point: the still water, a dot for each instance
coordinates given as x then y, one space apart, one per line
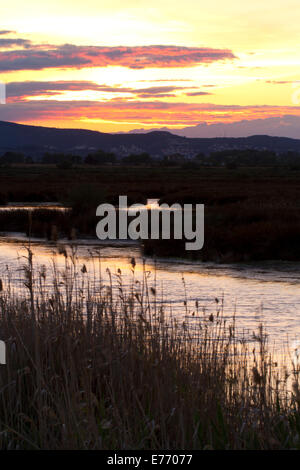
49 206
256 293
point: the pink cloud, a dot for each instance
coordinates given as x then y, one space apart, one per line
38 57
156 113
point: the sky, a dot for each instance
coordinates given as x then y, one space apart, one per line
122 65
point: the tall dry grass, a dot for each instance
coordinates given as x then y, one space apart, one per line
96 365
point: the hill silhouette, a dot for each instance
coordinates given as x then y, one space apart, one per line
36 140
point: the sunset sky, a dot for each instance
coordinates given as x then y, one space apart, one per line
121 65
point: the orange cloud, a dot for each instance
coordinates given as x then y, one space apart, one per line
41 56
156 113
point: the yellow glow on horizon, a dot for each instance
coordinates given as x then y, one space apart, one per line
263 36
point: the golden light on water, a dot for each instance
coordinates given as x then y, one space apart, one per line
254 294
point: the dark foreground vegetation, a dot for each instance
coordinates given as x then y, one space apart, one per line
250 213
89 367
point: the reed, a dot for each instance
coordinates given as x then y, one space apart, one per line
95 364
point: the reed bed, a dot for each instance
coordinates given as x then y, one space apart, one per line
99 365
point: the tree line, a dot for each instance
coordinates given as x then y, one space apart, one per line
231 159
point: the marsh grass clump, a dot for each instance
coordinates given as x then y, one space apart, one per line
92 364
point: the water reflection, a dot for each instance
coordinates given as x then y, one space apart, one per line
17 206
255 293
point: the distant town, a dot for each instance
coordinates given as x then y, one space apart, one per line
68 147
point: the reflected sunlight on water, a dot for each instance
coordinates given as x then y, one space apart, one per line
17 206
255 293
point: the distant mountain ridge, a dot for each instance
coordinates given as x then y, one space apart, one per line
36 140
280 126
